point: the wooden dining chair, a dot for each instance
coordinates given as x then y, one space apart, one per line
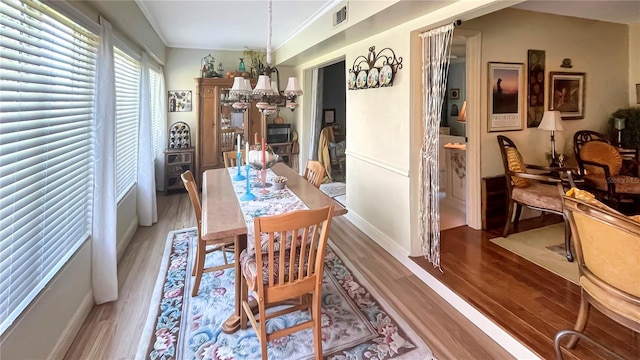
231 158
227 140
314 172
203 247
278 277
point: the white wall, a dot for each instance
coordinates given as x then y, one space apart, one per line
634 62
596 48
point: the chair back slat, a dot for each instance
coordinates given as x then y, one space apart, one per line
227 139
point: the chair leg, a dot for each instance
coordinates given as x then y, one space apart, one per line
509 216
567 240
317 324
200 254
581 322
244 296
263 330
516 219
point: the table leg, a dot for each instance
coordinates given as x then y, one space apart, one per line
233 322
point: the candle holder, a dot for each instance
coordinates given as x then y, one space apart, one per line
248 195
263 176
239 176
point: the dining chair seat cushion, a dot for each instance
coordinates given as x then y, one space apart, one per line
249 267
601 153
623 184
517 165
539 195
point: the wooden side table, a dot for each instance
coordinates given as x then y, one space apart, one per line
177 161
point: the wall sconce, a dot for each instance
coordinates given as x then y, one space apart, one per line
463 113
618 124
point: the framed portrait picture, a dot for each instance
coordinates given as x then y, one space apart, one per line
567 94
329 116
179 100
454 94
506 96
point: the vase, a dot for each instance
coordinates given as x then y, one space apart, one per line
241 67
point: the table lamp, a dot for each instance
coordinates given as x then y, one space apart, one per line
552 121
618 123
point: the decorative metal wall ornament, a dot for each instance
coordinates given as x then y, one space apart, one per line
374 70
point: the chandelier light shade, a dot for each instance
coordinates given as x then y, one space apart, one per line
263 86
293 87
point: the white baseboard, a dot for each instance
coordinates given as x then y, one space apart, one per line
126 239
509 343
73 327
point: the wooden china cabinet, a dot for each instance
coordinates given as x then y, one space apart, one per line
212 110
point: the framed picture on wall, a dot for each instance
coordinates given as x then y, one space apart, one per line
567 94
506 96
329 116
454 94
179 100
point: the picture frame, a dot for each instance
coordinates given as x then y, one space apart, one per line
506 96
566 94
329 116
179 100
454 94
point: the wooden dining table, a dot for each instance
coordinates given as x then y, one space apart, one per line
222 217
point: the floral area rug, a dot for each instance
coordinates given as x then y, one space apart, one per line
356 322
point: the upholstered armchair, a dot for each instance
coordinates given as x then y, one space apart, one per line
607 246
542 191
600 165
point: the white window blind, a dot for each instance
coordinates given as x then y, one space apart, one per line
46 118
127 71
156 110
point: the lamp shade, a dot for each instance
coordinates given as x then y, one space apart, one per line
238 83
263 87
618 123
463 113
552 120
247 85
293 87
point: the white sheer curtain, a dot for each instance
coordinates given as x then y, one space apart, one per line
105 270
161 131
146 184
436 48
317 84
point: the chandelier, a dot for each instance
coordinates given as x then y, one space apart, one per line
267 87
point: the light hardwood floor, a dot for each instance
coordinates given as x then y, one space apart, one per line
112 331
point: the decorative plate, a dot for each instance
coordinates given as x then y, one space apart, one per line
352 80
386 75
361 80
372 79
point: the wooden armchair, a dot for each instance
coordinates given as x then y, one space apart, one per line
276 276
542 191
227 140
607 247
600 165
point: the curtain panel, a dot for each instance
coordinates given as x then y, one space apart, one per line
105 271
436 48
146 185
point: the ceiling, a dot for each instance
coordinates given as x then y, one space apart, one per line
234 25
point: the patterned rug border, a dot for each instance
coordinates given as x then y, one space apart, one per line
422 351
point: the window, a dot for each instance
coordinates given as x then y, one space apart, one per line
46 118
127 121
156 108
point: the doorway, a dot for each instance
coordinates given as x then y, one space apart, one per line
453 141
